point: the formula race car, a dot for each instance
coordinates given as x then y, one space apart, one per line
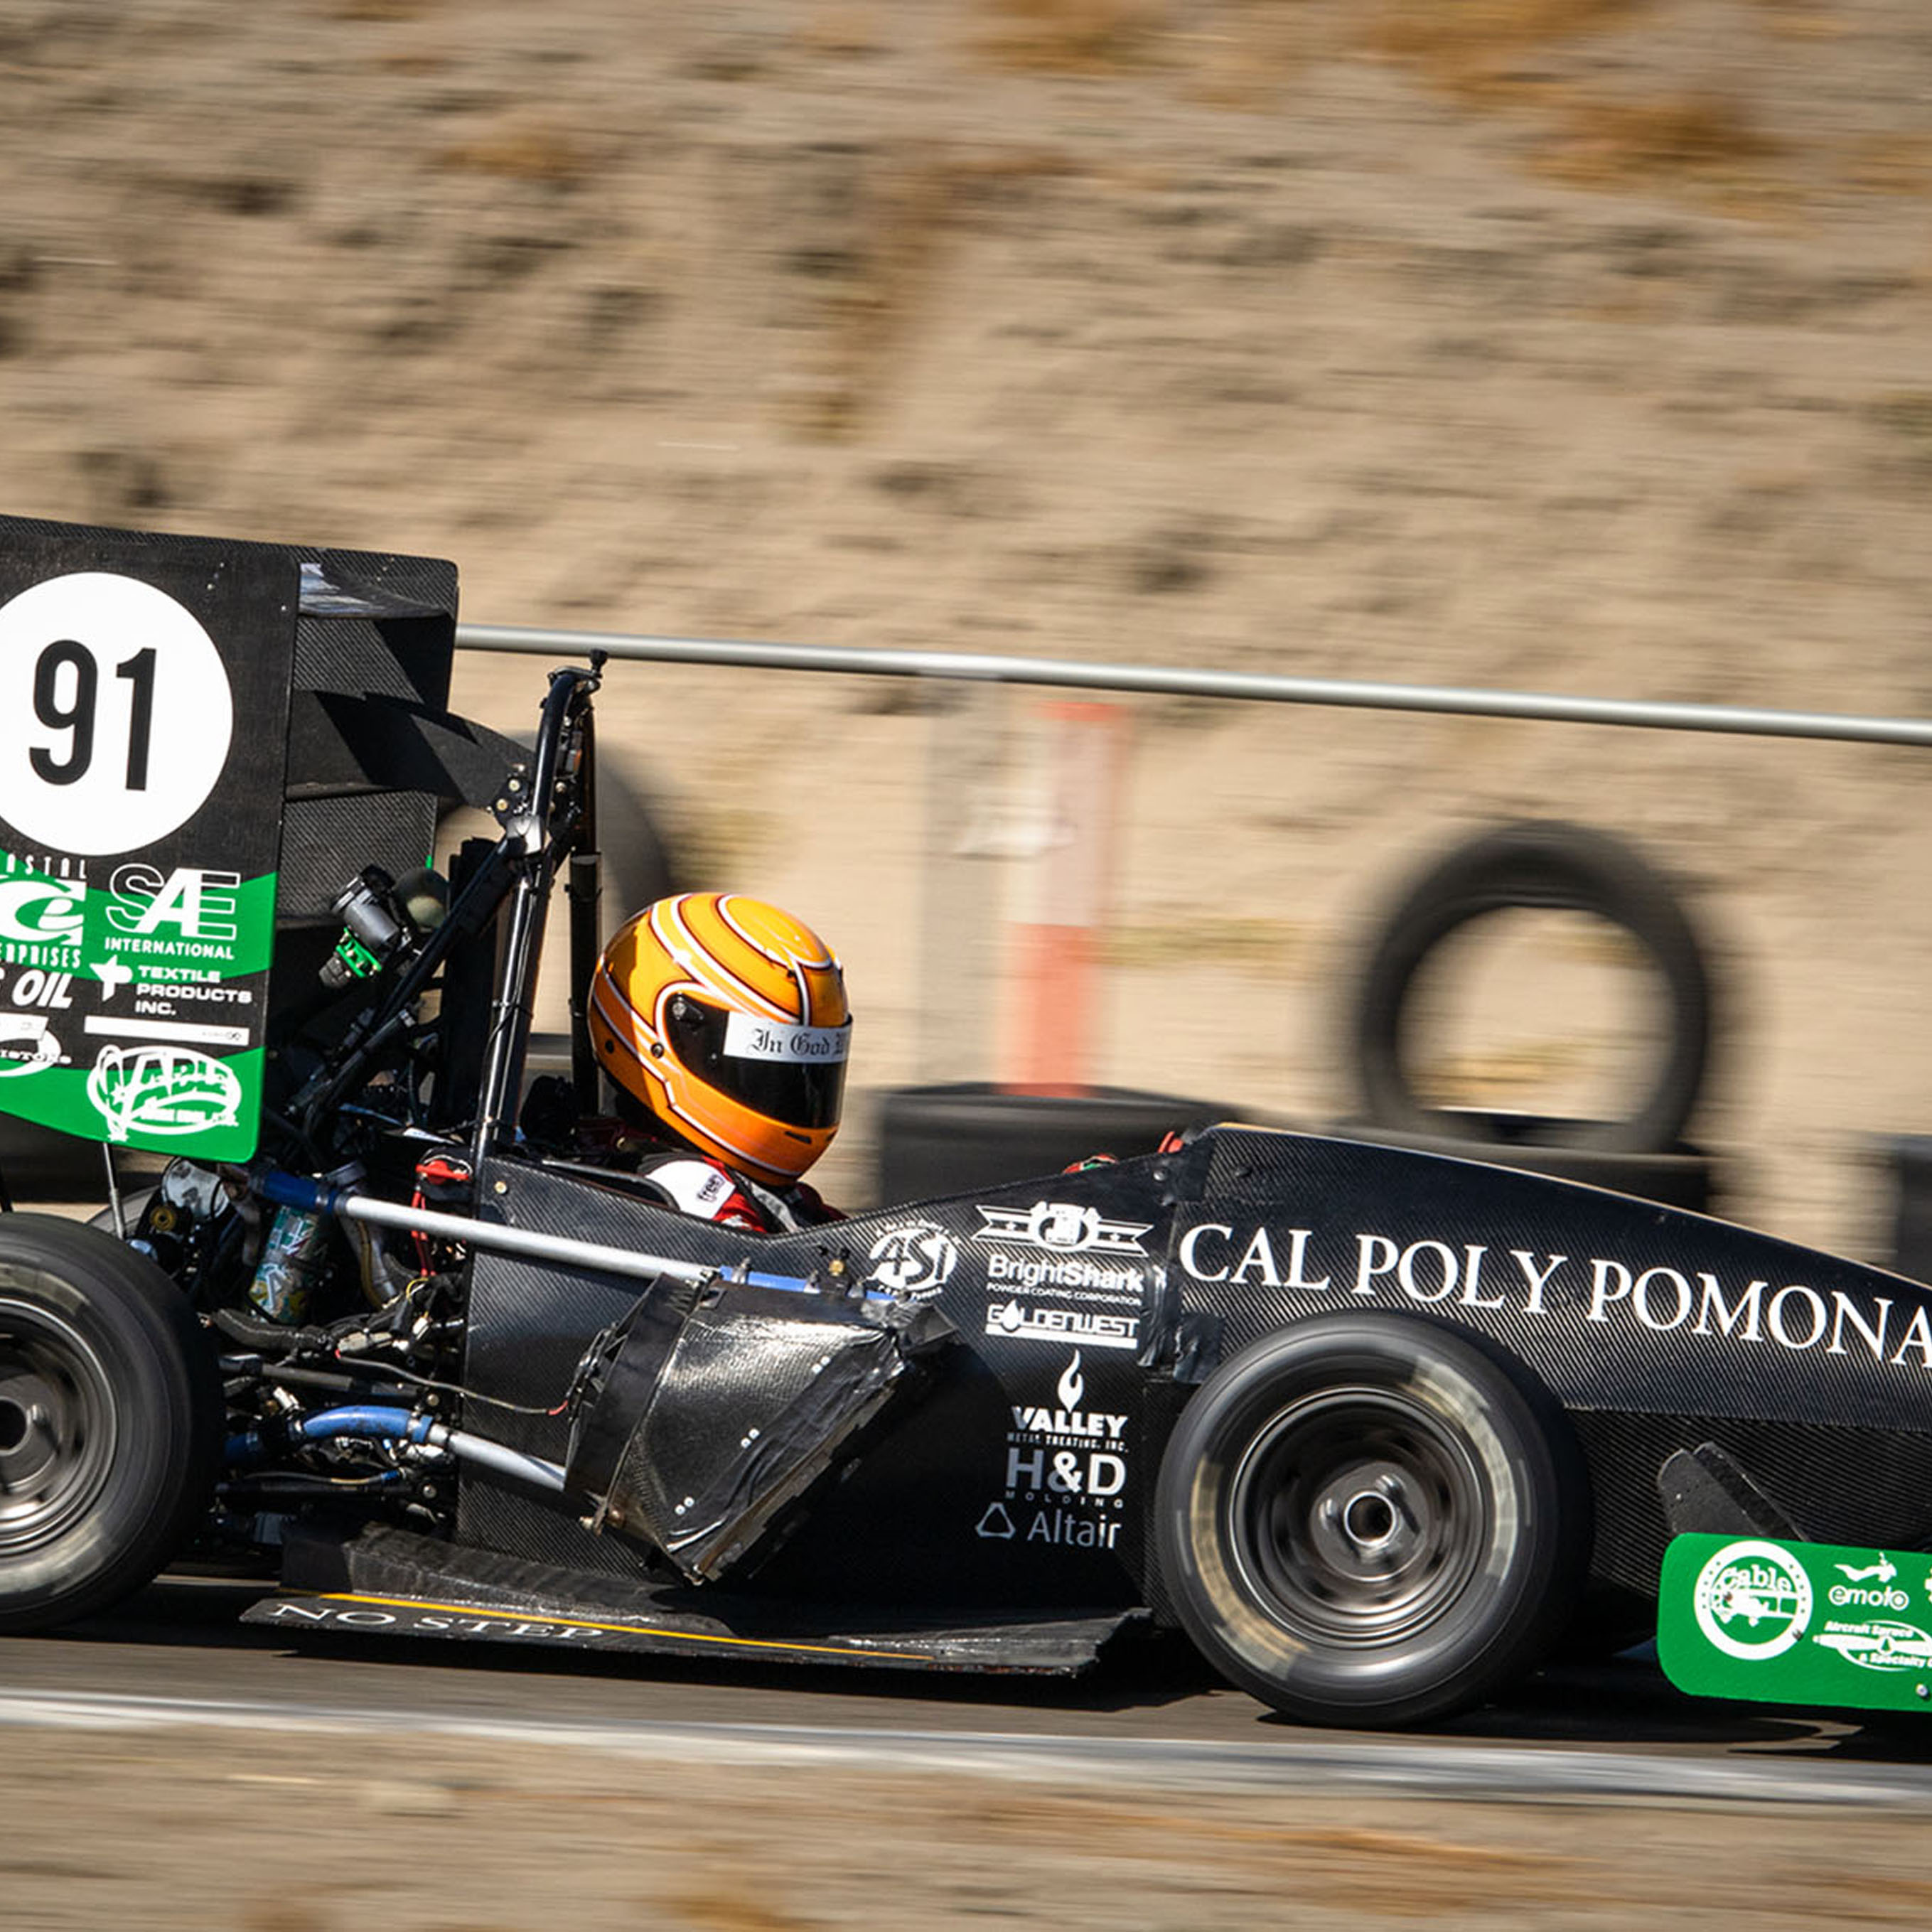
1376 1428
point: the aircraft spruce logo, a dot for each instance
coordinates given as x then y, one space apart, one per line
1753 1600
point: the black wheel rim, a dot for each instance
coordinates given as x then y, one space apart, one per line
1357 1517
57 1421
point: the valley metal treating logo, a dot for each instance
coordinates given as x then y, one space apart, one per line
1072 1384
1753 1600
1066 1456
162 1090
914 1262
1067 1426
1061 1228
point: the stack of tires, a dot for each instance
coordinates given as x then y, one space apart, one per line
1551 866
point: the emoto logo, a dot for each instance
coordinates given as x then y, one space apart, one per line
1753 1600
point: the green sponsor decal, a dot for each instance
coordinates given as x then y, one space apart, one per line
1797 1623
136 922
159 1095
186 919
131 1002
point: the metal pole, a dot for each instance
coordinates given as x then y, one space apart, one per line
290 1190
980 667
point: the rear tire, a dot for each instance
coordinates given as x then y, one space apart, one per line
110 1414
1372 1520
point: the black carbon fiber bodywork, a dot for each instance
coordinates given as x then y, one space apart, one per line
387 1580
1616 1304
1657 1330
1087 1303
927 1515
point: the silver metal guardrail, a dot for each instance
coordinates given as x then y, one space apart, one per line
986 668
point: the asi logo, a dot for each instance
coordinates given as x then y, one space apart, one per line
916 1261
162 1090
1753 1600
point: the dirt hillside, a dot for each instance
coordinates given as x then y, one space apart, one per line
1575 345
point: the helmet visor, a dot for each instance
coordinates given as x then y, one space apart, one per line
795 1075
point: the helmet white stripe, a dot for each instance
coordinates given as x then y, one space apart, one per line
709 973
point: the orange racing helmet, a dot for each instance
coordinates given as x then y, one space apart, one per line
726 1020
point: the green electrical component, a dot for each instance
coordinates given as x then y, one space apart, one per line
358 961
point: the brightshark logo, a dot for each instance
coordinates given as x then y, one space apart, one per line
162 1090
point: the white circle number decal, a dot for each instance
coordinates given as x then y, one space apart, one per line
115 714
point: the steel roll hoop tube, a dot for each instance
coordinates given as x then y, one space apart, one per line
471 911
288 1190
521 863
582 888
566 710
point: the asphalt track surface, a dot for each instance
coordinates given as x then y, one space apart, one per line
176 1656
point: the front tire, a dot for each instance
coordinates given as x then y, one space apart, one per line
1372 1520
110 1412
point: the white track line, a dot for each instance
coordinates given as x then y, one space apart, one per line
1285 1761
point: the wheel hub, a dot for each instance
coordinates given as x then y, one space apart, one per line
1373 1521
56 1427
1356 1517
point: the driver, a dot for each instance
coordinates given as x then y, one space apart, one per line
723 1025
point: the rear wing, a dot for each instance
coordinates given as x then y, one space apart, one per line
201 740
